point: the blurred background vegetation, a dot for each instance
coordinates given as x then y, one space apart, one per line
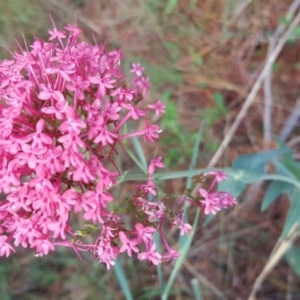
202 58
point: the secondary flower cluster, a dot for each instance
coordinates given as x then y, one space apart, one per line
64 106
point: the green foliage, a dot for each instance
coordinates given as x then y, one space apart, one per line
38 275
286 21
196 289
178 141
173 49
296 33
122 280
161 76
183 250
197 59
251 168
170 6
183 238
7 268
193 4
254 164
146 293
19 17
211 116
293 258
297 66
276 66
293 215
274 190
202 85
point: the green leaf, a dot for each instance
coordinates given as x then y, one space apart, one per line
296 33
179 174
295 182
286 21
208 219
275 189
196 58
291 165
297 66
288 160
275 66
139 151
162 75
292 256
183 238
137 162
293 215
219 100
195 155
147 293
196 289
170 7
282 169
202 85
170 117
193 4
165 175
234 183
122 280
255 163
183 251
158 267
238 175
122 177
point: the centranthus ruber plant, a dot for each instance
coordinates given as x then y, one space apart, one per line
64 106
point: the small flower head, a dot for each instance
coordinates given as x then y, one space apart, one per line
137 69
150 255
127 244
158 107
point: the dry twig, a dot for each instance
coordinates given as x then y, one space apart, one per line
291 122
254 91
279 250
204 281
267 119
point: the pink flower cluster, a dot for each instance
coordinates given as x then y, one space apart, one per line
215 201
64 106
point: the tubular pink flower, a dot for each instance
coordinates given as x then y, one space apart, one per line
210 202
59 109
48 93
185 228
151 255
155 163
137 69
5 248
127 244
172 254
143 84
144 233
103 83
72 123
215 201
54 34
105 137
151 132
158 107
42 247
